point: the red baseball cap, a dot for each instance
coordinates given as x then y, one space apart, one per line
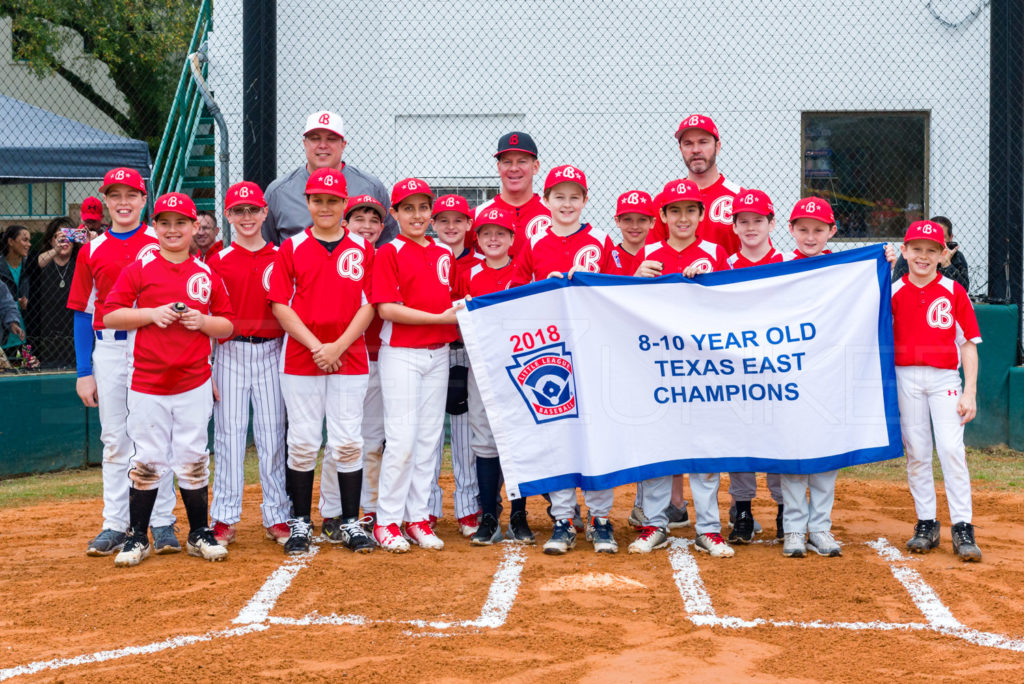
567 173
176 203
245 192
680 190
327 182
634 202
813 208
363 201
452 203
91 209
700 121
123 176
495 216
926 230
409 187
754 201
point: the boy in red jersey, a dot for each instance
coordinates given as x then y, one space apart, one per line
246 373
453 223
102 374
172 304
682 252
318 292
634 217
934 329
412 291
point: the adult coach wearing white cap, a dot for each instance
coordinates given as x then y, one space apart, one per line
324 141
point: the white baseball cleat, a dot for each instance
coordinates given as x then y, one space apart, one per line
713 544
390 538
423 535
203 543
649 539
135 550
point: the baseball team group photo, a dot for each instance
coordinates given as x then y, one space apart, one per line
567 410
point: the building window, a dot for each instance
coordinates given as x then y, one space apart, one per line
871 166
475 190
32 200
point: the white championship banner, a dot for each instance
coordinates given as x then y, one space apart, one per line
602 380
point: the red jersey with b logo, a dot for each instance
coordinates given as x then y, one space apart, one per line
625 263
530 219
174 359
706 256
325 289
246 276
773 256
420 277
930 323
716 225
588 249
98 266
482 279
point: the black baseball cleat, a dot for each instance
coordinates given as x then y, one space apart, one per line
963 542
780 531
354 536
488 532
301 538
743 528
926 536
519 529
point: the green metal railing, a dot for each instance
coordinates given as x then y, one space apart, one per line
172 159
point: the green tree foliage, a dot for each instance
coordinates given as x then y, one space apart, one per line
142 43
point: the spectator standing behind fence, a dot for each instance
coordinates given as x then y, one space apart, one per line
324 141
91 212
49 271
10 322
14 247
953 264
205 243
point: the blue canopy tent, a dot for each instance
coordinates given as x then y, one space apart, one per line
38 146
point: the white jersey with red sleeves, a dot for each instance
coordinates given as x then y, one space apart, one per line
587 249
246 275
705 256
931 322
326 290
482 279
716 226
530 219
174 359
773 256
419 277
625 263
99 264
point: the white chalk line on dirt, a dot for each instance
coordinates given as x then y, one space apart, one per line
939 618
255 615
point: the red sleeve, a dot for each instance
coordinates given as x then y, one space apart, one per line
81 282
220 303
461 288
965 317
722 260
385 287
522 267
608 263
282 284
368 277
126 290
659 232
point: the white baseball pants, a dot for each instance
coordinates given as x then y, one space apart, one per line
926 392
247 376
170 433
807 501
310 400
373 445
599 502
482 442
415 385
467 490
704 488
743 486
110 370
654 496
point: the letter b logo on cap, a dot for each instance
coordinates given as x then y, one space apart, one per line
633 198
120 174
329 180
172 201
493 214
811 206
243 191
325 119
513 139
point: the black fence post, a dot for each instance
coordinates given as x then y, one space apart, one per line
259 99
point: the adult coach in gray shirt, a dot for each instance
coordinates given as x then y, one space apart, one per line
324 141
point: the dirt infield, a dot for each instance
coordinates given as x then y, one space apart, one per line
512 614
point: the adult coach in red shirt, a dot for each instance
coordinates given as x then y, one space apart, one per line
699 144
517 165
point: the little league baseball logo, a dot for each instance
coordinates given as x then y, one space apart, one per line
544 378
199 288
721 210
537 225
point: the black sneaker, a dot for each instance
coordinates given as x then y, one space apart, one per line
600 532
577 518
301 538
963 542
677 517
743 528
106 543
201 542
926 536
354 537
732 521
331 527
519 529
489 531
563 538
780 532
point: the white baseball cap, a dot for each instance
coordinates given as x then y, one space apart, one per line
325 121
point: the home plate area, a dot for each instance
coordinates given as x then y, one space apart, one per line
311 595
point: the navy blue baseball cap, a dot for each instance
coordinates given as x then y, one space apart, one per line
516 141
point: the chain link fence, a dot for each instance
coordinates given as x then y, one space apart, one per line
885 108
